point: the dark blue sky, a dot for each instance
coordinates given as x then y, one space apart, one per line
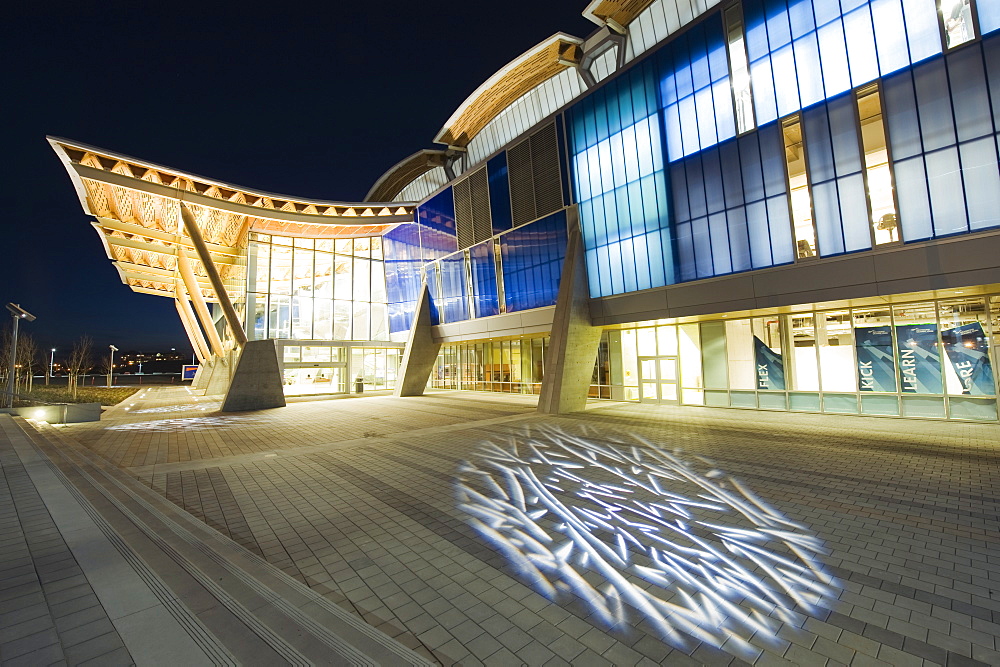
308 99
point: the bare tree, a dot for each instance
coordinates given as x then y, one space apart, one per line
79 361
27 359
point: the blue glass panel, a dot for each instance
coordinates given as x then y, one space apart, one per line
594 273
923 31
678 179
438 213
611 97
601 114
854 213
991 51
809 70
772 157
800 16
611 221
401 248
826 208
689 125
901 115
640 262
626 250
914 207
712 176
973 118
760 236
750 163
625 108
989 16
844 134
833 55
702 248
654 254
722 261
756 29
819 150
532 262
700 75
725 122
890 35
696 187
705 106
729 156
685 252
764 102
982 182
452 269
672 121
496 172
786 86
825 11
484 279
434 291
653 209
739 240
778 30
781 230
945 184
861 46
937 127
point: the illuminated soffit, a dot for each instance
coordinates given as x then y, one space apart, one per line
532 68
622 12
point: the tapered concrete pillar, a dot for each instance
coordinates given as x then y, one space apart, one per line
569 361
256 380
421 351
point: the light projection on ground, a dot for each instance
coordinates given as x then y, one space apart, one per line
638 532
189 407
186 424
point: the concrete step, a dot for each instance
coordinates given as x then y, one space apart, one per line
234 606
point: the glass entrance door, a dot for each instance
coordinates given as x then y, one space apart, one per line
658 380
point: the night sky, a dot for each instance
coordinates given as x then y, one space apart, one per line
310 100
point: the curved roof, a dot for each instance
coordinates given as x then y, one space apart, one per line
404 172
622 12
137 209
536 65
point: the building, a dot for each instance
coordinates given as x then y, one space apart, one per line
776 205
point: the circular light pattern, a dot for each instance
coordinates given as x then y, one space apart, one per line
185 424
636 531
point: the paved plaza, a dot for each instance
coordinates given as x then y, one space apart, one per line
464 528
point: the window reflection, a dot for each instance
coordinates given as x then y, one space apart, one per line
957 18
885 223
740 71
798 189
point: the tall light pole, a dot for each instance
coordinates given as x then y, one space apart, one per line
18 314
52 357
111 366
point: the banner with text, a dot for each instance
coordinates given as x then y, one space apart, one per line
919 359
968 350
770 369
876 365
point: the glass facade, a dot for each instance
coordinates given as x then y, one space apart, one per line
921 359
317 367
322 289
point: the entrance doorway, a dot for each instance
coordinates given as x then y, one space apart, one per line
658 380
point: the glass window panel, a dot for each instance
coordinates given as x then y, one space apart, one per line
689 339
260 261
890 35
760 237
827 208
782 248
833 55
967 365
323 319
936 124
721 258
836 351
769 362
666 340
877 171
875 351
740 71
959 27
729 158
808 68
342 312
281 270
970 92
302 315
738 239
798 190
739 355
901 116
982 183
918 353
854 213
323 275
817 132
786 86
712 179
805 375
750 163
922 29
861 46
763 91
944 180
914 206
702 248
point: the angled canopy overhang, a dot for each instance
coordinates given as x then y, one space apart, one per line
136 205
404 172
622 12
532 68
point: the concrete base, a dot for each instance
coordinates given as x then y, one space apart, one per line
421 351
59 413
219 374
256 382
569 362
200 376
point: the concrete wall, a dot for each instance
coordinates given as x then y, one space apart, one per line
59 413
944 264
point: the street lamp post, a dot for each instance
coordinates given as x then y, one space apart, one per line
111 366
52 357
18 314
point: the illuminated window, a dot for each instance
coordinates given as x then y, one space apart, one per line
885 224
739 70
798 189
956 16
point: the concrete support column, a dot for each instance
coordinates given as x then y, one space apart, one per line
569 361
421 351
256 382
200 307
198 343
232 319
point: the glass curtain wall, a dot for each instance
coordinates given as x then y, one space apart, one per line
923 359
316 289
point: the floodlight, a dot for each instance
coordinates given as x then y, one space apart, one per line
17 311
113 348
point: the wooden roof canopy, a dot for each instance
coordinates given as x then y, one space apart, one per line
622 12
137 209
533 67
405 172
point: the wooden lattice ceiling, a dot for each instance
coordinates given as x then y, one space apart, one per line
622 12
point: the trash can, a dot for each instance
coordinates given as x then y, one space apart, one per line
359 385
